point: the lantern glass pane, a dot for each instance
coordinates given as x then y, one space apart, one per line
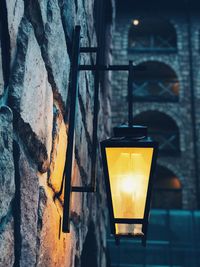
129 229
129 171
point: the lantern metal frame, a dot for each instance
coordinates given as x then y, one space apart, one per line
128 137
76 67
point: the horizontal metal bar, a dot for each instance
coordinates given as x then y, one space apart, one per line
128 221
138 236
88 49
86 189
111 67
154 98
151 49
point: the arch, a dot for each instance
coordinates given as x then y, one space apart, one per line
152 34
162 128
89 252
154 120
157 82
173 168
167 193
158 108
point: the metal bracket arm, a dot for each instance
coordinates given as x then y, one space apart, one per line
110 67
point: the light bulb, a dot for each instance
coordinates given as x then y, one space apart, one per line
127 184
136 22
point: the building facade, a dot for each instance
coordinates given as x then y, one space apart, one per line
163 38
165 94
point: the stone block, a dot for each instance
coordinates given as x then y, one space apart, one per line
7 183
15 12
49 31
7 256
68 15
29 199
7 188
1 73
31 96
55 248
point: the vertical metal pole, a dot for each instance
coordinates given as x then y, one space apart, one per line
70 143
130 94
170 239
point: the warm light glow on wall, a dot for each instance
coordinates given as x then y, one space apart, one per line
57 170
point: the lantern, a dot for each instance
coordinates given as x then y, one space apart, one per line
128 163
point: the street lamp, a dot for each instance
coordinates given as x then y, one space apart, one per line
128 158
128 164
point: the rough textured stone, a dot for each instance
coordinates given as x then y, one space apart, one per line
51 37
38 92
68 18
7 185
15 11
82 20
7 243
55 248
31 93
29 199
1 74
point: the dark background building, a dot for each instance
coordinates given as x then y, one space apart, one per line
164 38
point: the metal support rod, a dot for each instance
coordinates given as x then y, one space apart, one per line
117 241
83 189
88 49
110 67
130 95
144 241
95 127
96 98
129 221
70 143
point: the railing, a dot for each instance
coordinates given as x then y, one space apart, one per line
156 90
168 142
152 43
173 240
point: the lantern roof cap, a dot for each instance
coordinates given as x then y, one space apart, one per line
134 131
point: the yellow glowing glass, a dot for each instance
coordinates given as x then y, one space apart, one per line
129 171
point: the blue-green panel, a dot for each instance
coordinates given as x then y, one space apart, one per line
173 240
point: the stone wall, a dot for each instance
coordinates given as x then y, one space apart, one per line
181 112
34 106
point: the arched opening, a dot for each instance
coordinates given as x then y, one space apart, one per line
147 35
167 193
89 252
161 128
158 82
